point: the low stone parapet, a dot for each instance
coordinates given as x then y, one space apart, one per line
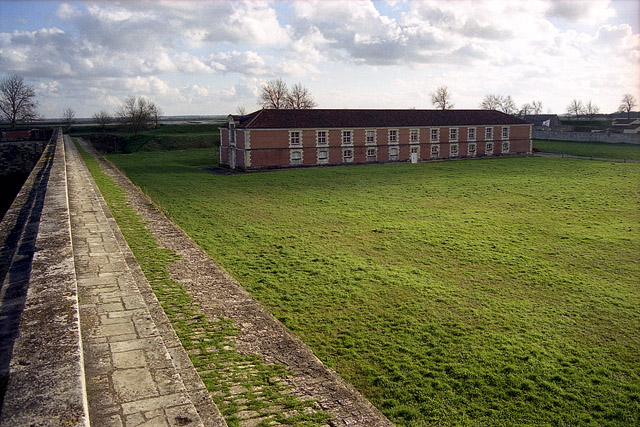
41 366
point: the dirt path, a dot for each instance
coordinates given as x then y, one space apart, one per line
261 334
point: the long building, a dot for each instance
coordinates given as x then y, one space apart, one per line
293 138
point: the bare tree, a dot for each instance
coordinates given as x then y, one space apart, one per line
591 110
537 107
299 98
576 108
627 104
102 118
156 112
274 94
526 109
135 112
508 105
67 116
491 102
241 111
441 98
17 100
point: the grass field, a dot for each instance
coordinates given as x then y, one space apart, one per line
589 149
483 292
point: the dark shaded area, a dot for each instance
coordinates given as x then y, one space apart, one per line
10 186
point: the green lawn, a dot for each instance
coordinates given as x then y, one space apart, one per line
482 292
589 149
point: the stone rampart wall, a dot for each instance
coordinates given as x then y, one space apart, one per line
41 366
18 157
611 138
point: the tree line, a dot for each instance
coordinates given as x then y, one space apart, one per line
18 104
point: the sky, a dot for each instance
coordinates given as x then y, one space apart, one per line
212 57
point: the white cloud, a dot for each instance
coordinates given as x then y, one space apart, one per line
216 54
590 11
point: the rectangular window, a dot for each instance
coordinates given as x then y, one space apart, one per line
296 157
435 134
393 136
232 134
294 138
393 153
323 155
472 149
453 134
489 134
371 137
505 147
321 137
505 132
346 137
414 150
347 156
435 151
371 155
471 134
453 150
489 148
413 135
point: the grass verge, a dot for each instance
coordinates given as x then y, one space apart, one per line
480 292
589 149
236 382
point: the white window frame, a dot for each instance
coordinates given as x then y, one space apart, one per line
372 157
434 154
413 132
452 148
346 159
505 132
503 145
366 137
475 149
232 133
454 134
488 133
488 148
469 132
344 134
297 161
394 140
291 138
326 159
326 138
394 157
437 132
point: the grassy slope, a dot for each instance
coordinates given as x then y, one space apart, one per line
589 149
471 292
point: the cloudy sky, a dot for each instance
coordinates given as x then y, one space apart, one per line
211 57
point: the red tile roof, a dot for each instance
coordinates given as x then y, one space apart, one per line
318 118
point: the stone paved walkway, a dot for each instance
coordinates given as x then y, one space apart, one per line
261 334
136 372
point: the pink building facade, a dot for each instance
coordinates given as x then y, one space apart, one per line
294 138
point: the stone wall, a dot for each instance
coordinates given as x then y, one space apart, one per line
611 138
41 369
19 157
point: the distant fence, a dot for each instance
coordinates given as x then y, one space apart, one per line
611 138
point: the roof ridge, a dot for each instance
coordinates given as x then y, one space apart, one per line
253 118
